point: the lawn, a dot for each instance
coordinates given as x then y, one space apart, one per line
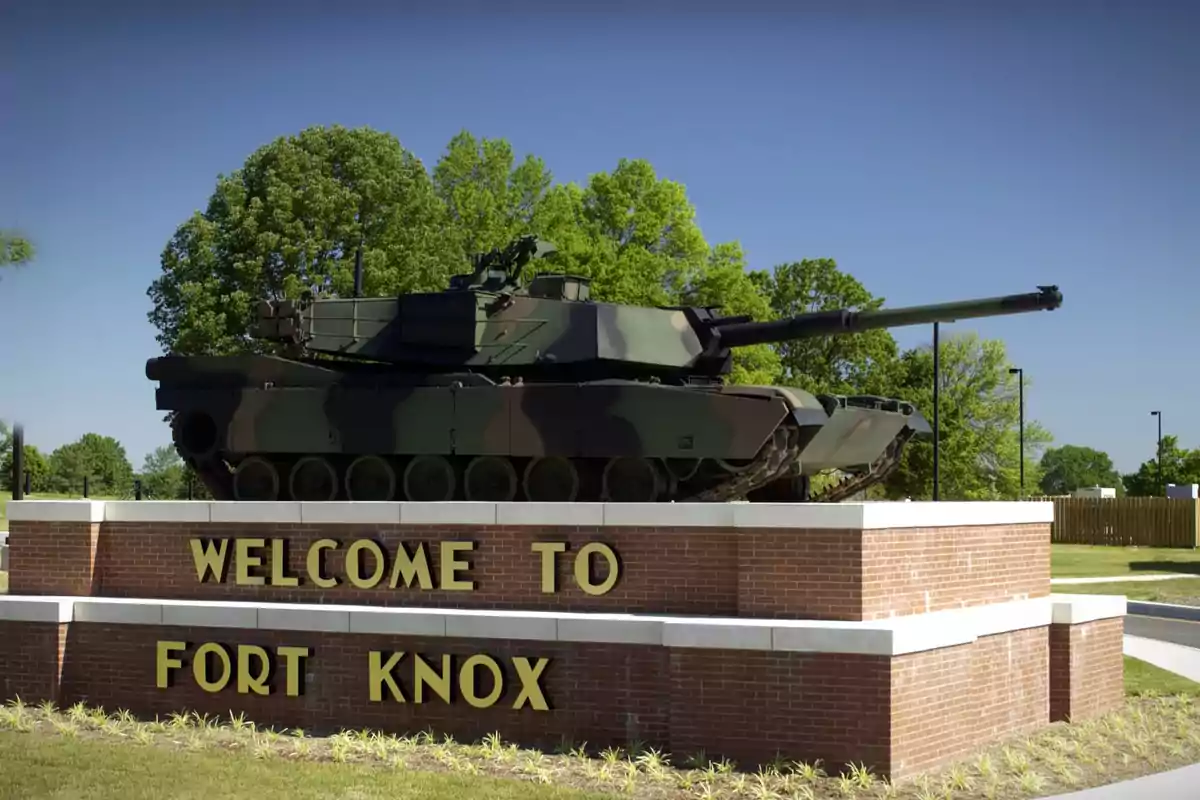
45 764
1080 561
1146 679
81 752
1180 591
1085 561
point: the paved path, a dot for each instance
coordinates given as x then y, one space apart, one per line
1169 576
1178 784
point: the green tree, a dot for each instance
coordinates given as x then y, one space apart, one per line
723 281
862 363
15 249
490 199
1179 466
163 474
1070 467
979 442
101 459
633 234
291 219
36 467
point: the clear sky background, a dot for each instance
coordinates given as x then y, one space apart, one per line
937 150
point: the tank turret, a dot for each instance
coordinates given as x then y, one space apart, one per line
493 323
506 386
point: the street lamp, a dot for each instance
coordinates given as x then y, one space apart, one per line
1020 373
1161 487
936 383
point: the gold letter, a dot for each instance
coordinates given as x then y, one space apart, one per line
583 568
209 560
243 561
548 549
164 662
449 565
200 667
415 566
246 681
314 563
423 674
292 656
466 681
279 576
531 690
381 673
354 568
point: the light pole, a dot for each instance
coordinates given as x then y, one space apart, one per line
936 381
18 462
1161 487
1020 373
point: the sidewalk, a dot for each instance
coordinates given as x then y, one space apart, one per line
1173 657
1178 784
1166 576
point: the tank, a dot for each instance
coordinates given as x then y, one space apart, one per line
508 387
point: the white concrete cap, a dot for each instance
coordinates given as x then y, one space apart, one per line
889 637
847 516
56 510
36 609
1076 609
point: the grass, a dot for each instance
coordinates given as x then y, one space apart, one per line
1086 561
1143 679
45 764
1181 591
3 583
82 752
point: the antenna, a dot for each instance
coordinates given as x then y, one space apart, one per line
358 276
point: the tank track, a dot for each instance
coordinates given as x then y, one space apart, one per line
878 472
777 458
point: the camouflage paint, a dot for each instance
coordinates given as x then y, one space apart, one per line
494 367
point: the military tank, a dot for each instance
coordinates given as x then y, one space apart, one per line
502 389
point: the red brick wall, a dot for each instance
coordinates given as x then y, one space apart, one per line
47 558
813 574
1087 669
901 715
946 702
30 660
929 569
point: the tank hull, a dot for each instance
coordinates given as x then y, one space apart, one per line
270 428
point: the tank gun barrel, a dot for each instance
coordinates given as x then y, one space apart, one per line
844 321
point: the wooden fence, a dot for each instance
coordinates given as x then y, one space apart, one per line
1125 521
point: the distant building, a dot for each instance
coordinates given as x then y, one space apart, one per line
1094 491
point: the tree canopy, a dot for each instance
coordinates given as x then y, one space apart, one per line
979 439
15 250
1070 467
292 216
1179 466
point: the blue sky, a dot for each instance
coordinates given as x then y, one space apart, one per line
947 151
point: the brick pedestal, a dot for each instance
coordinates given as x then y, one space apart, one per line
834 562
896 635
